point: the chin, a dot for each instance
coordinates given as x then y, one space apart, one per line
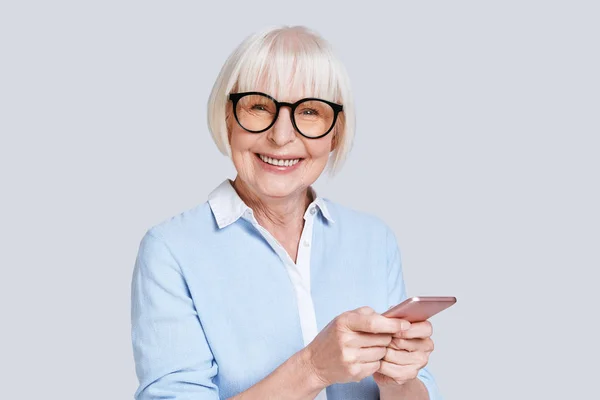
278 186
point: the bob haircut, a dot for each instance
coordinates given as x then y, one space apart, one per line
284 59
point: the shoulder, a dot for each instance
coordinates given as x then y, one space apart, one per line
365 233
193 224
350 219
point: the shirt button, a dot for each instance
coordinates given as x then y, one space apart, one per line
313 211
306 243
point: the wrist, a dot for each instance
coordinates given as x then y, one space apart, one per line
391 390
307 369
391 385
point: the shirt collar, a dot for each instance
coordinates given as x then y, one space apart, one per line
228 207
320 203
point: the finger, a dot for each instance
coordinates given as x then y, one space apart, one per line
366 310
406 324
417 330
424 345
367 369
403 357
362 339
398 372
374 323
371 354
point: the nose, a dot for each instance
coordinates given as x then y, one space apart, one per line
282 132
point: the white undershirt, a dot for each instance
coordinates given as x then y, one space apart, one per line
299 273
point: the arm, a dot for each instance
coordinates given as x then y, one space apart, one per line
172 356
293 380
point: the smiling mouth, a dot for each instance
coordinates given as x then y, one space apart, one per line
279 162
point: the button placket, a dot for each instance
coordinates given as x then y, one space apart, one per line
303 259
299 274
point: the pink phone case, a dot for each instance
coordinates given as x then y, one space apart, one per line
416 309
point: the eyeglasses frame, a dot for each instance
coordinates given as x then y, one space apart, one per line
337 108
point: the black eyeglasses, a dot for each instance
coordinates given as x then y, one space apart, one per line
256 112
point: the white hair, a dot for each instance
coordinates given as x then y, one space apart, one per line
285 59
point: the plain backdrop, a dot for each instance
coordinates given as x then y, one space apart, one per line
477 142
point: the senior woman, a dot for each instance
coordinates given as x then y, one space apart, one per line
267 290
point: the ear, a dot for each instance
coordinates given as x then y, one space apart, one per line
334 140
228 122
339 127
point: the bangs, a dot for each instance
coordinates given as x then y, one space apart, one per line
283 65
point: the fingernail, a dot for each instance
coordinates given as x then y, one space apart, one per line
405 325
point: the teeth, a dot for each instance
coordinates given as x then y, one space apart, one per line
279 163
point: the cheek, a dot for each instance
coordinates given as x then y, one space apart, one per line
319 149
240 143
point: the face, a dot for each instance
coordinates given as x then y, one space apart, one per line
254 154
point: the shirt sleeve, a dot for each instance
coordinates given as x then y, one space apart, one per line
172 357
397 294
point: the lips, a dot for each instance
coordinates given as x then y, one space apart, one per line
279 162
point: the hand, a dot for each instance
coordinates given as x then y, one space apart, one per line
407 353
351 346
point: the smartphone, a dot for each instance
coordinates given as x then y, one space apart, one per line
417 309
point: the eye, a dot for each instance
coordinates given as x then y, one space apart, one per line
310 111
259 107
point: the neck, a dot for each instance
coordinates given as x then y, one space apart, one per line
275 213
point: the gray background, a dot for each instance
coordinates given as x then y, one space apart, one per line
477 142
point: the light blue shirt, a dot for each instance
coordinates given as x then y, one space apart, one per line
215 308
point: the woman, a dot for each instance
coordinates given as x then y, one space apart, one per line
268 290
